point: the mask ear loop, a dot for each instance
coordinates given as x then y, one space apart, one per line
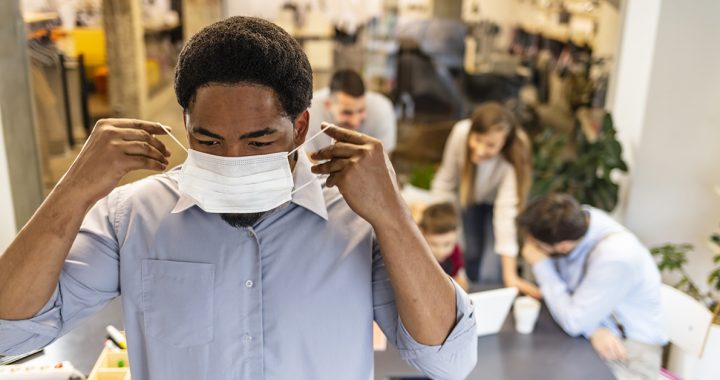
295 190
310 139
300 146
173 137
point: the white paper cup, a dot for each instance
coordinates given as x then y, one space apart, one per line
526 311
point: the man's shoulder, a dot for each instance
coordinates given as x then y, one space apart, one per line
377 97
461 129
158 191
319 97
379 106
620 249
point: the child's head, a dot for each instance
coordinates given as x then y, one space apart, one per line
439 225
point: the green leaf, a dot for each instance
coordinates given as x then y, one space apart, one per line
714 279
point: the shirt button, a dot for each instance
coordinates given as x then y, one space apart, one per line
250 233
249 284
247 338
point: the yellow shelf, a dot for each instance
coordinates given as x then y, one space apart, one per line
111 365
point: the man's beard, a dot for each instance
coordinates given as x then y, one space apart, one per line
242 220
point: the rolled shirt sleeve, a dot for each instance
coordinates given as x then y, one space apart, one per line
505 210
446 181
383 120
20 336
88 281
453 359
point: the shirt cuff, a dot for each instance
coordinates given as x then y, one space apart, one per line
607 323
19 336
458 339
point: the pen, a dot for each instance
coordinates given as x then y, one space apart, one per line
116 336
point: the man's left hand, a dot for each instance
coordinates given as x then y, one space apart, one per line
532 252
361 170
607 345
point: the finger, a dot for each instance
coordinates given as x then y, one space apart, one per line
615 351
147 126
141 148
605 352
344 135
337 150
331 167
621 352
144 162
334 179
140 135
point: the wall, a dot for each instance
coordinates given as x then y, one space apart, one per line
607 38
666 108
267 9
7 212
502 12
19 144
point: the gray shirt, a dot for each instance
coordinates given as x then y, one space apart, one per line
292 297
379 120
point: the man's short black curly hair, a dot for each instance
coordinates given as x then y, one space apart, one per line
247 50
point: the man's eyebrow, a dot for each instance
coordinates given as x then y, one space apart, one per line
258 133
203 131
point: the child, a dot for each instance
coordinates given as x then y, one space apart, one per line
439 225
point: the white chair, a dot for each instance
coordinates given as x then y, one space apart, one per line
687 324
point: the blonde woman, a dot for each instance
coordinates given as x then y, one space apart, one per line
486 169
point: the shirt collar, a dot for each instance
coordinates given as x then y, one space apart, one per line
309 197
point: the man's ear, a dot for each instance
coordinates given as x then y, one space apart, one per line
300 128
186 122
328 103
566 246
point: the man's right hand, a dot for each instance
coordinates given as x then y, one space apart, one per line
30 267
115 147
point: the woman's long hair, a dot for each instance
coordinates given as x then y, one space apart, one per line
491 117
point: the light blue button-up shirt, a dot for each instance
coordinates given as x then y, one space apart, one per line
293 297
609 278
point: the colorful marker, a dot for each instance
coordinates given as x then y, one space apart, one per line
116 336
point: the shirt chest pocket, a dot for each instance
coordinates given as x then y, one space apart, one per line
177 301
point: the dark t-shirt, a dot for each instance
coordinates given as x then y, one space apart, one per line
454 262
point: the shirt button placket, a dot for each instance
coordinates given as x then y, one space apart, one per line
253 339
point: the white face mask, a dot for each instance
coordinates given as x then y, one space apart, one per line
238 185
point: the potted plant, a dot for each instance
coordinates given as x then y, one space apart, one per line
672 258
582 169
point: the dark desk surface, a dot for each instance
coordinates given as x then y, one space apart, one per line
547 353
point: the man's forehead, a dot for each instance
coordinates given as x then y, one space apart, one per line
343 97
230 99
241 106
